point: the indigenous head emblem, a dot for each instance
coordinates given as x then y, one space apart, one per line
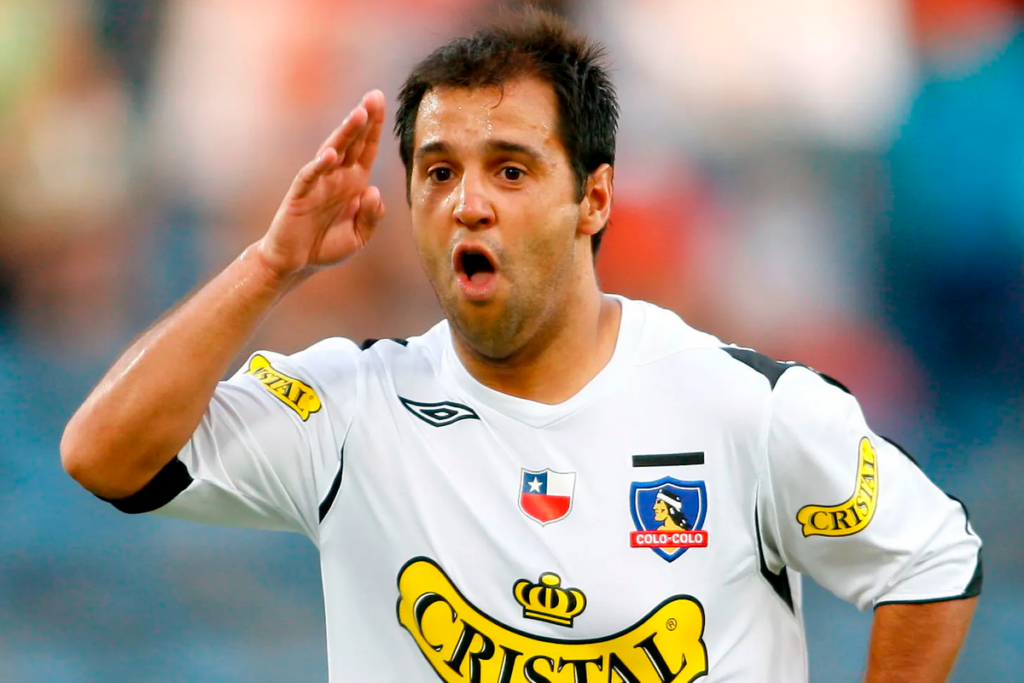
669 516
546 496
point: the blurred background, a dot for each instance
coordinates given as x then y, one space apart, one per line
836 182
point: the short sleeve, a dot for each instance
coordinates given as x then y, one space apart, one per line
851 509
269 447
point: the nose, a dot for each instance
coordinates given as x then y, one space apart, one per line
473 208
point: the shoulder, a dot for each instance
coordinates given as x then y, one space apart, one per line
806 406
405 355
335 366
340 354
773 370
795 388
675 364
661 332
672 346
798 394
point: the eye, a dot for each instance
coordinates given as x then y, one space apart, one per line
440 174
512 173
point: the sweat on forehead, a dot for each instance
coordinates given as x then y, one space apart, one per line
526 108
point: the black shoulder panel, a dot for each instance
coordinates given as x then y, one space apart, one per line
773 369
328 500
831 380
161 490
370 342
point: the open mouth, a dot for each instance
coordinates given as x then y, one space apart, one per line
475 264
476 270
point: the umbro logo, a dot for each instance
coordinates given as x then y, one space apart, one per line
439 414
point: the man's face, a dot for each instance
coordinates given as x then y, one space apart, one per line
660 511
494 211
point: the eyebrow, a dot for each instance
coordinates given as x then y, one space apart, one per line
441 147
436 147
513 148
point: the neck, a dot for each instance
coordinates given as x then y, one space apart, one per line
560 358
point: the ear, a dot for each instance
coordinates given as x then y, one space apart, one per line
596 206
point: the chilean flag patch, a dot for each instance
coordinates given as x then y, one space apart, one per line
546 496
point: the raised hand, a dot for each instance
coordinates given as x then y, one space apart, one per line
123 434
330 211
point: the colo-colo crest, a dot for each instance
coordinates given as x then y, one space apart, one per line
669 516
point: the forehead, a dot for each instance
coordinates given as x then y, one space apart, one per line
523 110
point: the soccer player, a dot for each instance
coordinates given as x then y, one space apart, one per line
484 496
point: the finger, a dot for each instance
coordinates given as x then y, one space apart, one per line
342 136
374 103
308 176
355 146
371 211
354 153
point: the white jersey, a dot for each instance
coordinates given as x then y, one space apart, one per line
652 528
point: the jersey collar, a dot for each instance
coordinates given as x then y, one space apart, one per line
542 414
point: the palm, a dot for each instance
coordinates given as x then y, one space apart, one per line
330 210
322 223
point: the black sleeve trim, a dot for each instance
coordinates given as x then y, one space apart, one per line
367 343
161 490
328 501
779 582
773 369
973 590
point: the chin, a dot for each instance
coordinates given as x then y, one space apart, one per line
486 328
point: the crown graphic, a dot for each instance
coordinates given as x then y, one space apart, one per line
547 601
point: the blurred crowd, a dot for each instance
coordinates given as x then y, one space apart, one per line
840 183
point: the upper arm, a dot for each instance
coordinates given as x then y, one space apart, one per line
268 447
853 511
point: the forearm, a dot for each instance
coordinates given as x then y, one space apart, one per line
151 401
917 643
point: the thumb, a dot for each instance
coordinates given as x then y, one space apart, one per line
369 214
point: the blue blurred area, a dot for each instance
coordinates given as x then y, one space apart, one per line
874 230
953 257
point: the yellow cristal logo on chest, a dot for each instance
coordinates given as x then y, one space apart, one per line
463 644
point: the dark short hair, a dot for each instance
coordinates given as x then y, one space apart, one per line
528 42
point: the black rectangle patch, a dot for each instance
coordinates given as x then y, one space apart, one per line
669 459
